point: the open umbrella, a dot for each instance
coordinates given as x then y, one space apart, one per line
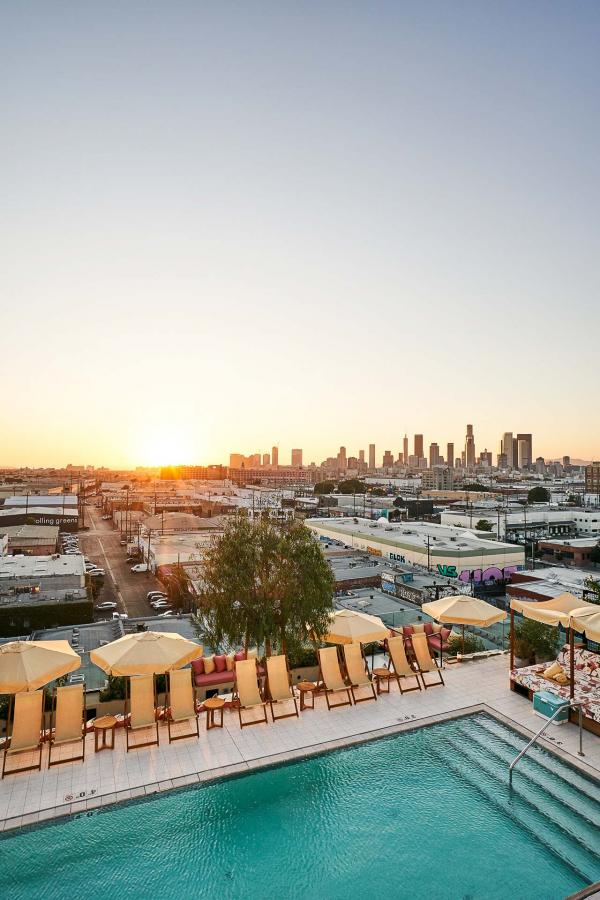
349 627
146 653
29 665
459 609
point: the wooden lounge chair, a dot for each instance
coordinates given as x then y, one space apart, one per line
358 673
140 709
399 665
425 661
181 704
330 675
25 729
279 686
247 691
68 721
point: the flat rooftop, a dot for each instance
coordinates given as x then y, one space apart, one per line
67 511
41 566
83 639
30 500
44 533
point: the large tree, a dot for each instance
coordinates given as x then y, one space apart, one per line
265 584
352 486
538 495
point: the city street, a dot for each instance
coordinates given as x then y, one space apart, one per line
128 590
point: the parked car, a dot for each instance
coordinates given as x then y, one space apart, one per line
123 543
108 604
165 614
118 615
140 567
96 573
155 595
159 604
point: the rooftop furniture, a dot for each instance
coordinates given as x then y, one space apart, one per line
211 706
140 710
306 688
462 609
330 674
279 686
29 665
222 669
382 676
247 691
426 663
103 726
400 666
181 705
358 673
25 729
68 722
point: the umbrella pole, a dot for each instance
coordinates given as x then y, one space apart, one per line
512 635
463 639
572 662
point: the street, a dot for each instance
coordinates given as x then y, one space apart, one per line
121 585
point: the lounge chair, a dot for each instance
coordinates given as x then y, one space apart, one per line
425 661
247 691
330 675
25 729
279 686
358 673
68 721
140 709
181 704
399 665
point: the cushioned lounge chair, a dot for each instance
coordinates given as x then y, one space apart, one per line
140 710
330 675
358 673
399 665
425 661
68 722
247 691
181 704
279 686
25 729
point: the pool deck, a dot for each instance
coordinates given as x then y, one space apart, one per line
113 776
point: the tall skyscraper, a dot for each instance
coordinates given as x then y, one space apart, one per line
418 445
297 458
388 459
342 461
506 447
361 456
371 456
450 455
405 450
266 460
434 455
470 447
525 450
275 456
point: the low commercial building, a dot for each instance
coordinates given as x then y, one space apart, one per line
30 540
42 591
574 552
183 548
66 518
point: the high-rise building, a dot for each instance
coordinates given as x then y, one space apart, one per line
371 456
485 459
342 462
297 458
405 450
506 447
266 460
502 461
275 456
592 478
524 450
450 455
236 460
388 459
361 456
434 455
470 447
566 461
540 465
418 445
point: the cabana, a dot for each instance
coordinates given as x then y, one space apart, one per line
582 666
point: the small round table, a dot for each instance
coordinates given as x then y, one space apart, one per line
103 726
211 706
383 677
306 688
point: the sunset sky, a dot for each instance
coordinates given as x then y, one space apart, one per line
229 225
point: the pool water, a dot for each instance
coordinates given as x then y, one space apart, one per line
424 814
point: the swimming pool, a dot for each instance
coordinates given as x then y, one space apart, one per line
424 814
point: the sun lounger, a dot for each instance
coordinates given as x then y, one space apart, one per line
68 721
279 688
330 675
425 661
400 666
141 706
358 674
181 704
25 729
247 691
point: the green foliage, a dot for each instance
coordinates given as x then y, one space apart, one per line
593 588
538 495
483 525
324 487
302 656
178 589
534 639
473 644
595 554
475 486
378 492
573 500
115 689
351 486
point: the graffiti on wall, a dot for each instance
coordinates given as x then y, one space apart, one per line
493 573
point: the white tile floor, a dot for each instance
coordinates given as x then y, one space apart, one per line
112 776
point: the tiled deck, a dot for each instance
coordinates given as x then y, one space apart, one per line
112 776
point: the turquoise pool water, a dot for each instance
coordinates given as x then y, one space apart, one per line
425 814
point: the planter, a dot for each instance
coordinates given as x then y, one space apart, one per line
521 663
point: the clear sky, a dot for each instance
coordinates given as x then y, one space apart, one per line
228 225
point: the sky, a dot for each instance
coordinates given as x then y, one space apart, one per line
225 226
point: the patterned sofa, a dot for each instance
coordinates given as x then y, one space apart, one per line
587 682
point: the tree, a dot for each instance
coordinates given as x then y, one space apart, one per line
538 495
595 555
265 583
593 588
378 492
483 525
351 486
475 486
324 487
178 589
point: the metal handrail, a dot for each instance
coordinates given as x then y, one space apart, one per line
559 709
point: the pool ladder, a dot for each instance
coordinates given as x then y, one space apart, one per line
558 710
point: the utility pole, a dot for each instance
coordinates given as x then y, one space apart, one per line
148 557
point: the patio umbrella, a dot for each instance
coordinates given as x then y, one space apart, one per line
146 653
459 609
349 627
29 665
586 620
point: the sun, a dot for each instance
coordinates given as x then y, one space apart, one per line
165 445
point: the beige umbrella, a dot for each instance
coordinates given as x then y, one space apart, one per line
29 665
349 627
586 620
459 609
146 653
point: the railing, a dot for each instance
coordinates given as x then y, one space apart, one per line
559 709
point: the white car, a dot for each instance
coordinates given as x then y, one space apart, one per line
159 604
165 614
118 615
140 567
156 595
96 573
108 604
